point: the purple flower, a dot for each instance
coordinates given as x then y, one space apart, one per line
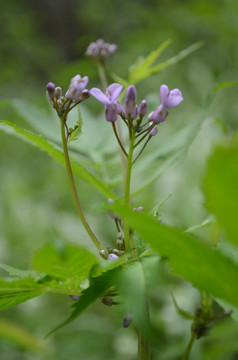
109 100
168 99
77 88
100 50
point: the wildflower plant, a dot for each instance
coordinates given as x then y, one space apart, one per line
119 274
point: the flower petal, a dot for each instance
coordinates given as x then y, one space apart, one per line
175 98
111 113
98 94
113 91
164 92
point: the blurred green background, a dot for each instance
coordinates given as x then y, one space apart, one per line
44 41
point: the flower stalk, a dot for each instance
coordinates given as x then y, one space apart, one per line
73 187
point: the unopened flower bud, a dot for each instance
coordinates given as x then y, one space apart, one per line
74 297
107 300
130 101
121 244
138 209
58 92
85 94
113 257
50 90
143 108
103 254
153 131
127 320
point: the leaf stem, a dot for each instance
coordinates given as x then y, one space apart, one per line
189 346
73 188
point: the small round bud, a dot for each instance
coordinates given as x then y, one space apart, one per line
58 92
127 320
153 131
113 257
74 297
103 254
143 108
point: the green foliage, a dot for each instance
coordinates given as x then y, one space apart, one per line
98 286
56 154
14 292
68 264
205 267
220 186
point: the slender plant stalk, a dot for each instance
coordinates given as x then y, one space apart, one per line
143 347
74 190
129 241
189 347
118 139
102 75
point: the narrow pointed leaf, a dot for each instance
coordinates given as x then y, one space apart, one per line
56 154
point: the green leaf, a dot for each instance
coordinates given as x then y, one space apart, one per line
205 267
173 60
57 155
15 292
98 286
18 272
70 264
206 222
187 136
143 68
220 186
75 134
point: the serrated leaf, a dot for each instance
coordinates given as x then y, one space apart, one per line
98 286
15 292
205 267
69 264
57 155
75 134
220 186
189 137
12 271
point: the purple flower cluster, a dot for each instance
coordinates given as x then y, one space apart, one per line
100 50
131 111
75 94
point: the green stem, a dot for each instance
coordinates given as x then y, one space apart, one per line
102 75
74 190
143 347
189 347
129 241
118 138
